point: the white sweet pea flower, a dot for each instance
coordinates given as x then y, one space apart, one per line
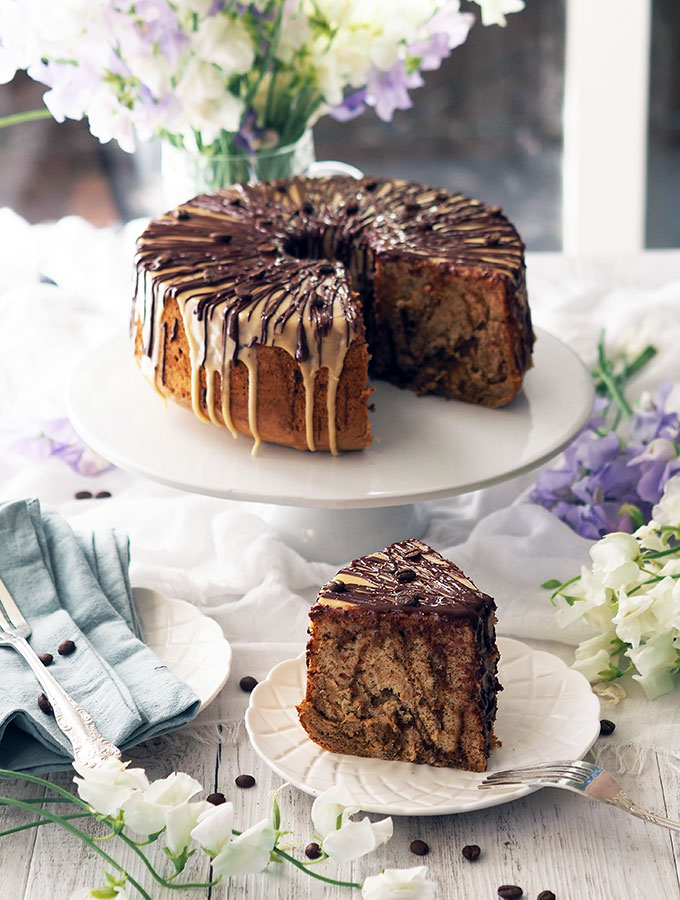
226 43
332 809
109 785
654 662
206 104
494 11
613 560
248 853
641 616
145 812
648 537
213 828
667 510
355 839
399 884
592 657
180 822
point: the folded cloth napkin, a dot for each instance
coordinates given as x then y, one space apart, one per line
76 587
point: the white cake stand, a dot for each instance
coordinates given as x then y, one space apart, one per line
335 508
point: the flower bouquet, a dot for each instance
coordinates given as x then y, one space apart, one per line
619 484
223 79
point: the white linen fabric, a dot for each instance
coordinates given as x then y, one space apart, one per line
66 287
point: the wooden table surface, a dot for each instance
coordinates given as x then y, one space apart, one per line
548 840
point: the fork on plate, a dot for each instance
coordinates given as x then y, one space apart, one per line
583 778
89 747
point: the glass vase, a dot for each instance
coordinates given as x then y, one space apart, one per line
187 174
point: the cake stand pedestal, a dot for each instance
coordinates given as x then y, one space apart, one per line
336 508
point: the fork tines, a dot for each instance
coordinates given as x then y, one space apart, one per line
575 771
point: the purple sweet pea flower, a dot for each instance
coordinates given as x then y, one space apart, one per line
387 91
157 25
352 106
56 437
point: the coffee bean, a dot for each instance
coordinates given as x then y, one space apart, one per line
247 683
370 186
326 269
510 892
307 208
471 852
46 659
420 848
45 704
405 575
84 495
244 781
546 895
216 799
338 587
352 209
409 600
312 850
413 555
66 648
102 495
606 726
180 214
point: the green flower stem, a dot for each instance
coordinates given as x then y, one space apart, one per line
301 865
651 581
564 584
85 838
639 362
656 554
159 878
38 822
34 779
29 116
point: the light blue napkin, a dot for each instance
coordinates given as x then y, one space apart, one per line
77 587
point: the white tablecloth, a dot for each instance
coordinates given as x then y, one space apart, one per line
64 287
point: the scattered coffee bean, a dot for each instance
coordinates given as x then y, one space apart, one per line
405 575
546 895
338 587
312 851
46 659
420 848
606 726
510 892
216 799
244 781
102 495
45 704
413 555
471 852
247 683
66 648
84 495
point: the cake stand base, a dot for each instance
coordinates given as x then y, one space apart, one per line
340 535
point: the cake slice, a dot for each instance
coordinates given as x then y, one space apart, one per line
401 661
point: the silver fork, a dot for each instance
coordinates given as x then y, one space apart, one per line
583 778
89 747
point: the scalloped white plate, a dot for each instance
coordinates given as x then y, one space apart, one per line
190 644
545 711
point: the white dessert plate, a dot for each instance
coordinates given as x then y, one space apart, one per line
190 644
546 711
425 447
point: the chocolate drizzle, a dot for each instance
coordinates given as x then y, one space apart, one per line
281 263
434 584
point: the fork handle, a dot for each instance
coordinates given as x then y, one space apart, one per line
622 801
90 748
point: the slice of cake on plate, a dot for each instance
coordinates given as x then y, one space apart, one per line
401 661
